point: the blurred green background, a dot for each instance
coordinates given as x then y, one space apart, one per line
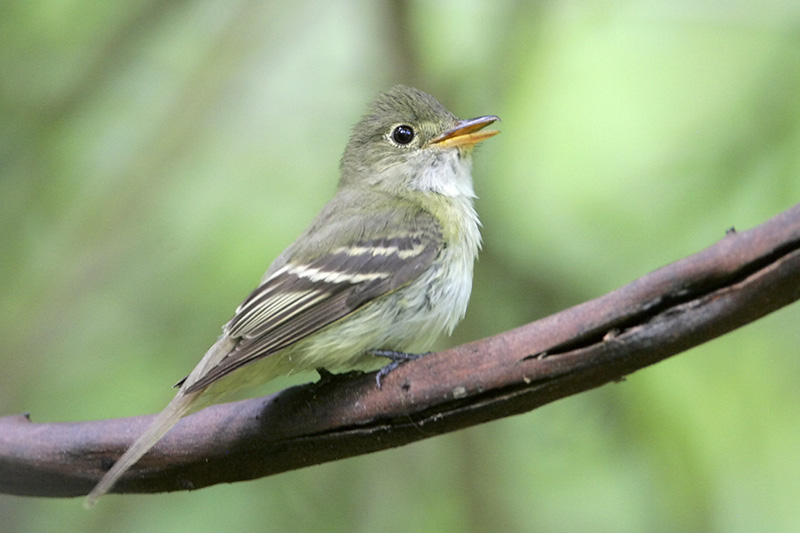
156 156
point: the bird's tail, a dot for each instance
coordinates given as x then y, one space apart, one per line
182 404
177 408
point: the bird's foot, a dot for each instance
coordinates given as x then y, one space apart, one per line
396 359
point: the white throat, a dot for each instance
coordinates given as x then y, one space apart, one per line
447 174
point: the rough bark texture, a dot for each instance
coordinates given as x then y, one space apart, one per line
738 280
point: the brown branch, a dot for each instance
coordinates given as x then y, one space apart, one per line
736 281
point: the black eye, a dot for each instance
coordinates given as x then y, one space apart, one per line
403 134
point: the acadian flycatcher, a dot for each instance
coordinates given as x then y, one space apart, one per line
382 270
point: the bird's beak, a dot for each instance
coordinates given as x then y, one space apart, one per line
466 133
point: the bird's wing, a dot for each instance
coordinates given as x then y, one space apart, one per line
303 297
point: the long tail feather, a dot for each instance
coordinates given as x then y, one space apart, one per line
177 408
182 404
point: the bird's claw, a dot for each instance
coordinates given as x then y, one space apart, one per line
396 359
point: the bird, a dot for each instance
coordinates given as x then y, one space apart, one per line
382 270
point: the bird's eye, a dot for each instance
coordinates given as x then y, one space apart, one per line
403 134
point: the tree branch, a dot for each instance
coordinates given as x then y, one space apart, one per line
736 281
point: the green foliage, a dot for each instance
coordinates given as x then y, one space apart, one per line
154 157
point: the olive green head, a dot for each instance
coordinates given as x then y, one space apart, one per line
409 140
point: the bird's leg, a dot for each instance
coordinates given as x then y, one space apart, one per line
324 375
396 359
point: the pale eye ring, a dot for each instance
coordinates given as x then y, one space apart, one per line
403 134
